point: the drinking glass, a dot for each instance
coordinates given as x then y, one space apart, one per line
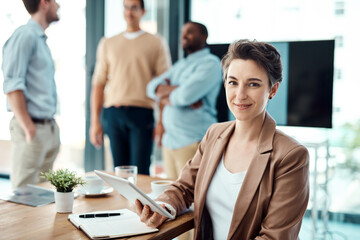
128 172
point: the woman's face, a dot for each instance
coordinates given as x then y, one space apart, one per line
247 89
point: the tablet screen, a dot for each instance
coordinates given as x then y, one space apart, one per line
132 192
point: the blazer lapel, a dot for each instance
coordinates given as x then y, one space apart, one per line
254 174
211 165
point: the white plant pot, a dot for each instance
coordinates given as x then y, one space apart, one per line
64 202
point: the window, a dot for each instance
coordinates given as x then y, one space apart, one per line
339 41
338 74
339 8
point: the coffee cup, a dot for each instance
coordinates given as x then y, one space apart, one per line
94 184
159 186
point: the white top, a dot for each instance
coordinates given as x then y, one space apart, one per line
221 196
133 35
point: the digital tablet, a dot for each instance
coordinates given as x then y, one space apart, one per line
131 192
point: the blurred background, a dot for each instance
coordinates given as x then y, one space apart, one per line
334 208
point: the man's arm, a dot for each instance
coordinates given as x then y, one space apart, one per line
96 102
163 58
164 90
153 85
159 128
204 79
18 106
15 72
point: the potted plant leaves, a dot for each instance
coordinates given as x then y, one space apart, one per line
64 181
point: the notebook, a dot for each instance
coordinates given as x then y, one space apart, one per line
127 224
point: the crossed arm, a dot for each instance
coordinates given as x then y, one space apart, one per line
163 92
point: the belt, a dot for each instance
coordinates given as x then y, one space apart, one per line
42 121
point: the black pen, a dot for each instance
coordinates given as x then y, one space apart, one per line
92 215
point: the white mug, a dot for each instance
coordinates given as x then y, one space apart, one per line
93 185
159 186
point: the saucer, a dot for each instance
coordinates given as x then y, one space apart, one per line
104 191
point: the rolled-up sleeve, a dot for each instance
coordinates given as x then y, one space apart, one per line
206 76
17 53
151 87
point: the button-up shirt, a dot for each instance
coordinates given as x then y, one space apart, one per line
198 77
28 66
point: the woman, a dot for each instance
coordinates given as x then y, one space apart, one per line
247 180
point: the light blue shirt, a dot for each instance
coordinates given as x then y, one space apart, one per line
198 76
28 66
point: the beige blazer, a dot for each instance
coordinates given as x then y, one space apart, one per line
274 194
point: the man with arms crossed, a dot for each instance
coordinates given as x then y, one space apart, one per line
125 64
189 92
30 87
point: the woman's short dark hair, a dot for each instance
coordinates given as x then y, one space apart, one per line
264 54
31 6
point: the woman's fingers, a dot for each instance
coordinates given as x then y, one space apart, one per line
138 207
146 214
156 220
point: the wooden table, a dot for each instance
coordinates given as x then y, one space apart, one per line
24 222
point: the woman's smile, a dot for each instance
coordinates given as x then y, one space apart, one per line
242 106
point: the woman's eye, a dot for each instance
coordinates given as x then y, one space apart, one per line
254 84
232 83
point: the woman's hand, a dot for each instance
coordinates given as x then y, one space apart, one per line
147 216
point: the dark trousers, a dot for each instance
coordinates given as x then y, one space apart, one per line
130 132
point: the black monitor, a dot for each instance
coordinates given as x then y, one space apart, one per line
305 97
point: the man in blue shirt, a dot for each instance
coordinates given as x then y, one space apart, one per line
188 92
30 87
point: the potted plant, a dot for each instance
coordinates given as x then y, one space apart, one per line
64 181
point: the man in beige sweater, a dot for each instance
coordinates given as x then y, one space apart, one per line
125 64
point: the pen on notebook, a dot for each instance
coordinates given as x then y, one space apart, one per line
95 215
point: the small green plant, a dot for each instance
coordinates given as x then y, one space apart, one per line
63 179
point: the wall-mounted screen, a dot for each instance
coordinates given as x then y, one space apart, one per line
305 97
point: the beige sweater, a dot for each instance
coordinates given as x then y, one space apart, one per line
125 66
